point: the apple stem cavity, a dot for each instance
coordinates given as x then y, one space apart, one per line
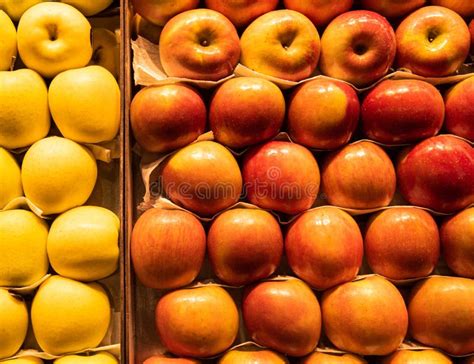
53 32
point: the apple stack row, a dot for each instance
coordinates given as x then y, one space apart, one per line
56 239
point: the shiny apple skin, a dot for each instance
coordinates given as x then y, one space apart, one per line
402 243
246 111
281 176
197 322
441 311
438 173
457 242
332 117
324 247
199 44
252 356
244 245
203 177
358 176
460 109
417 357
358 47
281 43
326 358
283 315
462 7
164 118
393 8
402 111
365 317
441 57
167 248
242 12
320 12
164 360
159 12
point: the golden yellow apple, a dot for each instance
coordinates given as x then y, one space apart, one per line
13 323
105 50
89 7
99 358
10 178
8 37
25 360
16 8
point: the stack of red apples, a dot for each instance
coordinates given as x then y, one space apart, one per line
358 229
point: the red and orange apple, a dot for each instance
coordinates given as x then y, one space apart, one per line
358 176
441 311
460 109
438 173
199 44
365 317
203 177
242 12
167 248
471 30
462 7
393 8
197 322
159 12
320 12
457 241
427 356
246 111
252 355
332 117
432 41
357 47
324 247
164 118
402 243
283 316
328 358
244 245
281 176
281 43
402 111
165 360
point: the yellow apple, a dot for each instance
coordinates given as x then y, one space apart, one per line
23 258
105 50
24 360
16 8
24 116
99 358
69 316
54 37
8 37
58 174
13 323
83 243
89 7
10 178
85 104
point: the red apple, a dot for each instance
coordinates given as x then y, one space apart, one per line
402 111
197 322
199 44
357 47
457 242
393 8
167 248
402 243
283 315
242 12
465 8
432 42
327 358
164 118
438 173
324 247
332 117
244 245
246 111
417 357
359 176
165 360
281 43
441 311
159 12
203 177
460 109
253 355
282 176
366 317
320 12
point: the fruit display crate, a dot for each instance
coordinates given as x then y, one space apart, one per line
145 182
